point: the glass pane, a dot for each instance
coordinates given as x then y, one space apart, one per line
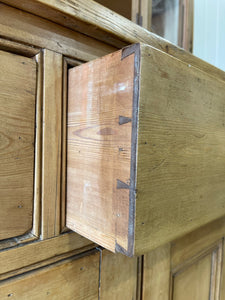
165 19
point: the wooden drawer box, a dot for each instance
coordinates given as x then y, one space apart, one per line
145 149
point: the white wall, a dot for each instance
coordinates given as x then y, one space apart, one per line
209 31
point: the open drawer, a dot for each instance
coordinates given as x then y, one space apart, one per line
145 149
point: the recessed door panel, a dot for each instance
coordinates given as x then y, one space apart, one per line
17 115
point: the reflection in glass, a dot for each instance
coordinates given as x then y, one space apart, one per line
165 19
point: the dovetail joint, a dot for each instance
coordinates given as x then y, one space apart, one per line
124 120
122 185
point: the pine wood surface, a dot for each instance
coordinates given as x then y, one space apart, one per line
51 155
94 20
123 8
31 34
198 274
181 134
186 246
176 185
67 63
156 274
70 279
29 29
27 34
199 277
37 254
18 48
118 277
17 101
99 147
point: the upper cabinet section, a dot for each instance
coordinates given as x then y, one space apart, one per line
123 8
17 127
170 19
145 149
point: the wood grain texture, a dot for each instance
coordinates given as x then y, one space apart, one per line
156 276
94 20
197 241
36 57
17 126
181 136
176 184
34 255
67 64
18 240
191 272
198 271
118 277
20 26
194 282
51 155
38 254
99 149
18 48
122 8
70 279
199 276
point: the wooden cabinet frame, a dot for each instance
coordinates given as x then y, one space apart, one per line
186 19
28 35
141 14
77 32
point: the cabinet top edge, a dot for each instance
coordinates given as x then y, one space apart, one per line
87 17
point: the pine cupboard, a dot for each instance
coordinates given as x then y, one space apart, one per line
40 258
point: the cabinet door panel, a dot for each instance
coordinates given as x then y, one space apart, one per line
194 282
189 268
118 277
17 114
73 279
